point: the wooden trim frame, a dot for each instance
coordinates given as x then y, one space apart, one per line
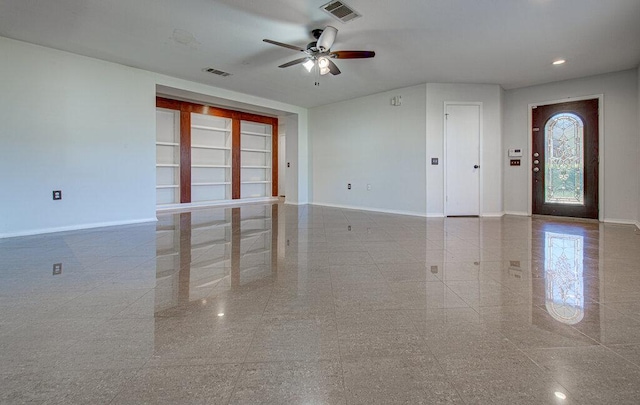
186 108
185 157
235 158
274 158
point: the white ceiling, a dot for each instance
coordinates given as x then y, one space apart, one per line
506 42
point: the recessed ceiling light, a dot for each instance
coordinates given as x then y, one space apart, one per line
559 62
221 314
560 395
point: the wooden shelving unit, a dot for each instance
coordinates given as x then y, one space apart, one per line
256 159
209 154
210 158
167 156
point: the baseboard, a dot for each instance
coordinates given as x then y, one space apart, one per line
294 203
213 204
485 215
76 227
492 215
351 207
619 221
517 213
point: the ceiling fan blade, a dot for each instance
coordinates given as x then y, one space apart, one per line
327 38
293 62
295 48
333 69
352 54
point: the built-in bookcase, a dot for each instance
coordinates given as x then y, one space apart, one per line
255 155
209 154
210 158
167 156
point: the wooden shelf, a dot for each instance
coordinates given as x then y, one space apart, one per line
219 183
254 219
209 244
252 234
210 147
254 133
257 252
167 144
168 186
206 128
166 253
255 150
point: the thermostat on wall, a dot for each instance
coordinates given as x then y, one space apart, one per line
515 152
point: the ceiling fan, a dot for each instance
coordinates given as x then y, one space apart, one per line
319 53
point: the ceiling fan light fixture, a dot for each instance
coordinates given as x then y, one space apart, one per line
323 63
308 65
324 70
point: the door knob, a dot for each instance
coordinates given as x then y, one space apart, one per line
475 166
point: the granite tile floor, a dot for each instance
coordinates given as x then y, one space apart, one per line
314 305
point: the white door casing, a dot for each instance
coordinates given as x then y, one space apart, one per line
282 164
462 158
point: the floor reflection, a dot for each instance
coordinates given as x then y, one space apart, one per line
286 304
211 251
563 276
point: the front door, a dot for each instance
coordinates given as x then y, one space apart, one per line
565 159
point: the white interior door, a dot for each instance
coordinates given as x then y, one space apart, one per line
462 159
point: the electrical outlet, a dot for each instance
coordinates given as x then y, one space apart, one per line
288 164
434 269
434 161
368 187
57 194
514 162
57 269
348 186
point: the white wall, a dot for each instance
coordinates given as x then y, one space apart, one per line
78 125
369 141
491 143
619 139
86 127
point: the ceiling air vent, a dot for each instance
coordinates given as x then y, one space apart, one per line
340 11
217 72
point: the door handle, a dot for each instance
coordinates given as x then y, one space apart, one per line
475 166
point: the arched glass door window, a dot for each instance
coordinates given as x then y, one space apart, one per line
564 159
